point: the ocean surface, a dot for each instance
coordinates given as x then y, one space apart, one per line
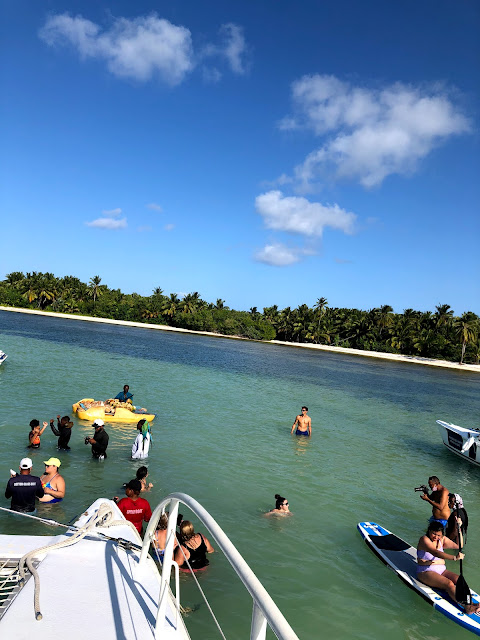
222 434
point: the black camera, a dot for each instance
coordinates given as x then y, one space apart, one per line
87 441
422 487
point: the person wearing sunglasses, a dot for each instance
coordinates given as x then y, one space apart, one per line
303 422
281 507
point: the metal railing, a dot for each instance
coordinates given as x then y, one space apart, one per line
265 611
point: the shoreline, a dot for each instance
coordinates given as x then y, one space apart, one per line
429 362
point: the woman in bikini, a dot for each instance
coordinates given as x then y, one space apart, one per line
52 482
194 547
431 569
160 538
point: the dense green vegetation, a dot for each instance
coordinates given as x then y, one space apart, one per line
437 334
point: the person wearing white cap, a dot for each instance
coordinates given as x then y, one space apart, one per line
99 442
24 488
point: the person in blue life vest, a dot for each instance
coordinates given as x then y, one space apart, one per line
125 395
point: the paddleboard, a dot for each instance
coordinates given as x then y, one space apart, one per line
402 558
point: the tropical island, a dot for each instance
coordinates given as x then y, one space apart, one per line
436 335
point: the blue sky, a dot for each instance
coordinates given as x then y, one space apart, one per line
259 152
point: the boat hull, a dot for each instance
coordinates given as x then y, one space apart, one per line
455 438
98 412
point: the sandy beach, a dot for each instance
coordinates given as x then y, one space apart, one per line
429 362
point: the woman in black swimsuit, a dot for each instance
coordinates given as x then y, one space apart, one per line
195 546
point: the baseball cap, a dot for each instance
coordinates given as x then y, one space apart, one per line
26 463
98 423
54 461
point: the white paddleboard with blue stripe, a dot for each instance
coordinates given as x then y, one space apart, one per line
402 558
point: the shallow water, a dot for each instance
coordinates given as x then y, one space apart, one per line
222 434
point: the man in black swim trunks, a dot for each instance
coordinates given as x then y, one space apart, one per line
23 488
303 422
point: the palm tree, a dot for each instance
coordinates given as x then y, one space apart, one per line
443 315
94 288
466 328
171 305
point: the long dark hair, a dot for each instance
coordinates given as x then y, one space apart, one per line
279 501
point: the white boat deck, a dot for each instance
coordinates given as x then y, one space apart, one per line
111 596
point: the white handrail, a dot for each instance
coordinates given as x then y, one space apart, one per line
263 605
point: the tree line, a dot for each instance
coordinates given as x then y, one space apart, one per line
439 334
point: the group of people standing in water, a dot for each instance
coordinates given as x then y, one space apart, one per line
446 530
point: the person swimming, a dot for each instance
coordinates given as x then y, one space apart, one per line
281 507
142 474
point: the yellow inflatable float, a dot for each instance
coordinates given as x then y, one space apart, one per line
111 410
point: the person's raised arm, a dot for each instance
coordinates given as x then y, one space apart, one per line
442 501
45 425
53 428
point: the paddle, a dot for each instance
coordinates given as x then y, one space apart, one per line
463 594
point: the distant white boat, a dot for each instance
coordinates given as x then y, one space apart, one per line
3 357
464 442
98 580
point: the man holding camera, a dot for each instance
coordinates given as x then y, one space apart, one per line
438 498
99 441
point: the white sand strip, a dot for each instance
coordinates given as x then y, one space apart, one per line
430 362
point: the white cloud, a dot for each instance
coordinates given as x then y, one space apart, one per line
144 228
369 134
278 255
112 212
108 223
138 48
154 207
169 227
233 49
296 214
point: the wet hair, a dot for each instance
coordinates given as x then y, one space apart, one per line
304 407
279 501
435 526
140 423
434 479
34 423
134 485
186 531
65 419
163 521
126 385
142 473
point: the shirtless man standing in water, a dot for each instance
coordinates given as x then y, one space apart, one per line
439 501
303 422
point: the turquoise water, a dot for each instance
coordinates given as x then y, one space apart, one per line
222 435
